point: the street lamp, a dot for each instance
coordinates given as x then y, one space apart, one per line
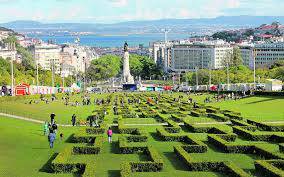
37 76
12 77
254 56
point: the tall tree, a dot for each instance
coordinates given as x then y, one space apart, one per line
237 57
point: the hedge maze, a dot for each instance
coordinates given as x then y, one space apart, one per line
203 139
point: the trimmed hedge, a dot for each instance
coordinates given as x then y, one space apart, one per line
233 116
269 168
194 146
218 117
126 148
266 93
155 164
227 168
195 113
281 147
262 126
226 146
62 164
249 133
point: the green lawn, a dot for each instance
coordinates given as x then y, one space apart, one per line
24 150
260 108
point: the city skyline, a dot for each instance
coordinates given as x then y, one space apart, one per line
113 11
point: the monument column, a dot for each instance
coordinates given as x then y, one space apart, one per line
127 78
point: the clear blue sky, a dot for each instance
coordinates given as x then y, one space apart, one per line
112 11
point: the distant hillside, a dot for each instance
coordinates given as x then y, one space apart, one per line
5 29
150 26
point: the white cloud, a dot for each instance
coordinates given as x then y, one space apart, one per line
119 3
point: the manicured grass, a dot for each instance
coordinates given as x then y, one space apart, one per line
42 111
24 150
259 108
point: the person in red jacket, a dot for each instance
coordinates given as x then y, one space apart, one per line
109 134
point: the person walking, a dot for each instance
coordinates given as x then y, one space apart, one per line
54 128
52 117
51 139
73 120
45 128
109 134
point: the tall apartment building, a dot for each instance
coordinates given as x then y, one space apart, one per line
268 53
247 55
265 54
204 55
161 53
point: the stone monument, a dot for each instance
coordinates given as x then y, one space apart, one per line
127 78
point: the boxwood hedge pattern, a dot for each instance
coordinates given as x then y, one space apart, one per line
173 114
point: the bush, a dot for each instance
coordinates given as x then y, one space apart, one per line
218 117
62 164
155 164
262 126
195 113
227 168
248 132
265 168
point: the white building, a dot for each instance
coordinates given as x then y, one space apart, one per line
203 55
47 56
161 53
9 51
77 56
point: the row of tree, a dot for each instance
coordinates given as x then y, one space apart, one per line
237 74
28 75
109 66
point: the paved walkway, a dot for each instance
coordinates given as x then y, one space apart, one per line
156 124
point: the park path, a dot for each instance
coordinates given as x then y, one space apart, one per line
156 124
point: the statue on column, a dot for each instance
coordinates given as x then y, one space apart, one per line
125 47
127 78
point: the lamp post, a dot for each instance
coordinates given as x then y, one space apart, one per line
37 77
12 77
196 77
254 56
210 74
52 72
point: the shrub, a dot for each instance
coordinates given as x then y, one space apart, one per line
265 168
227 168
195 113
218 117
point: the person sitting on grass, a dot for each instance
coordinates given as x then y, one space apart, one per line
109 134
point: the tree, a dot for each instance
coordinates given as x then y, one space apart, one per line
104 68
237 57
136 65
277 64
278 73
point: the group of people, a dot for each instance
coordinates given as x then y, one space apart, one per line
50 129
